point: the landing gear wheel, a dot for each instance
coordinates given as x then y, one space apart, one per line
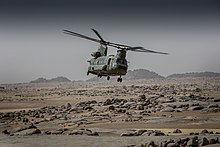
99 75
87 73
119 79
108 77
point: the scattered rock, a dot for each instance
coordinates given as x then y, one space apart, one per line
193 142
111 108
177 131
56 132
24 128
204 141
139 132
28 132
128 133
217 100
214 140
76 132
151 144
47 132
6 132
153 133
195 108
167 109
157 133
204 131
213 106
147 133
84 132
173 144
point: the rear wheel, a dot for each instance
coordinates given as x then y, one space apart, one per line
99 75
108 77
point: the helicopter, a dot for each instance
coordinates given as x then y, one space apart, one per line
109 65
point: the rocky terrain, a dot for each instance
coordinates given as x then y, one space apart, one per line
154 112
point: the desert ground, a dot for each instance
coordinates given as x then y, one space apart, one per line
157 112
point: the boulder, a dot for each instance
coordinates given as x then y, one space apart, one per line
173 145
21 128
47 132
217 100
204 131
147 133
177 131
90 133
157 133
204 141
192 142
195 108
76 132
28 132
56 132
140 107
6 132
139 132
167 109
128 133
214 140
213 106
151 144
111 108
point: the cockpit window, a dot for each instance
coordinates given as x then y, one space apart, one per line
122 61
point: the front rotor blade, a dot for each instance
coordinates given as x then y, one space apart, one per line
81 36
141 49
100 37
109 43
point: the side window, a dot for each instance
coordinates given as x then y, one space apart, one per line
118 60
109 61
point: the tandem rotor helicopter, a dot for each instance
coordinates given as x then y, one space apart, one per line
109 65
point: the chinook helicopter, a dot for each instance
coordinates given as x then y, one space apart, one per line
109 65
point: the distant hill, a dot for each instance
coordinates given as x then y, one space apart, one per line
57 79
142 74
134 75
60 79
195 74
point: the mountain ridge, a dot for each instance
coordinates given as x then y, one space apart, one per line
194 74
135 74
53 80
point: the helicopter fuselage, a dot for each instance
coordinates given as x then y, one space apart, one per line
108 66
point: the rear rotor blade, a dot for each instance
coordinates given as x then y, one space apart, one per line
141 49
119 45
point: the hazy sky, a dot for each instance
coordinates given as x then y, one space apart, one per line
32 44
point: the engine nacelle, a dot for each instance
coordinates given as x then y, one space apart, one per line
96 54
